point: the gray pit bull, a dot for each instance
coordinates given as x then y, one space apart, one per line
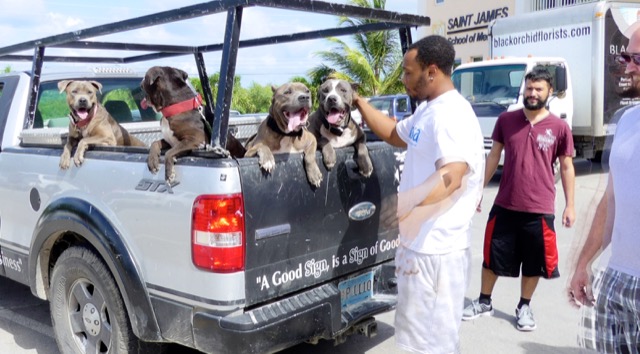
333 127
284 131
89 122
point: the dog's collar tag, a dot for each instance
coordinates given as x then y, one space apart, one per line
181 107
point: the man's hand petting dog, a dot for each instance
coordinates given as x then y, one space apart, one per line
284 131
184 128
89 122
333 126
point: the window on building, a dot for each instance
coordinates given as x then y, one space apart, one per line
439 2
474 59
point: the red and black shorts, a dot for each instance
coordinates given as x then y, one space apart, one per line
515 239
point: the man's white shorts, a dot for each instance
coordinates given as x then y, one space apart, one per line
431 291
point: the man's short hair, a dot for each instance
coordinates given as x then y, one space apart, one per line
436 50
539 73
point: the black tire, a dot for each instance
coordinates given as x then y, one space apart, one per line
87 311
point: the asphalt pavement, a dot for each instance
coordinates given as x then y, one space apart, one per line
25 326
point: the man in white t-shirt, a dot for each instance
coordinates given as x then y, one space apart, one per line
440 187
616 225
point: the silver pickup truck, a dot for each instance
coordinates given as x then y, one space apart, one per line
119 254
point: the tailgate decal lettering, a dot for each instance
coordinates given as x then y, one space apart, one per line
317 268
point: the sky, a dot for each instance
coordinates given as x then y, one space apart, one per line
25 20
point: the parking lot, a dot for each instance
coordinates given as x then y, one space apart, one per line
25 326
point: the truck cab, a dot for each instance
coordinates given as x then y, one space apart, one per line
496 86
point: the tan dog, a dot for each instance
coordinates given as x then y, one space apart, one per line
284 132
333 127
184 128
90 123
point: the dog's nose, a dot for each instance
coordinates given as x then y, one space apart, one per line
304 98
332 99
83 101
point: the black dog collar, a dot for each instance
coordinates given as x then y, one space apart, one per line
273 125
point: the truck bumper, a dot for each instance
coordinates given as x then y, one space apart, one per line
307 316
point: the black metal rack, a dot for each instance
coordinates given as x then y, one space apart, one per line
388 20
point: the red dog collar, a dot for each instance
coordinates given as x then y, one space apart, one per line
180 107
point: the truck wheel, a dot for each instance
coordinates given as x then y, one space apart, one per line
87 310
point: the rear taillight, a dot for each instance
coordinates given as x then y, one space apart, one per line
217 229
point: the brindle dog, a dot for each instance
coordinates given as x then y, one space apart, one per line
184 128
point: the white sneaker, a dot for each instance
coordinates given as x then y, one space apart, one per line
524 319
476 309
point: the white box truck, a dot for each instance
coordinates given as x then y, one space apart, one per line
583 39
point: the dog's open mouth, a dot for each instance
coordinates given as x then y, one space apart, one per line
296 119
335 116
83 113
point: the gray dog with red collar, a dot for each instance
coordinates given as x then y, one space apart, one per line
184 128
333 126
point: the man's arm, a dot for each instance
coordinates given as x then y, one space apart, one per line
378 122
437 188
598 238
568 176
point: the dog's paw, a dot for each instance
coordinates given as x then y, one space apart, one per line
153 163
65 161
314 176
266 161
170 176
365 167
329 161
366 172
268 165
78 160
328 156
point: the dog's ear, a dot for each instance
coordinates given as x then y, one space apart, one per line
355 86
152 75
274 88
97 85
62 85
182 74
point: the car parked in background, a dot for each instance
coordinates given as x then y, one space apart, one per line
397 107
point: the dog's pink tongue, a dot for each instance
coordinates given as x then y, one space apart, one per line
333 117
294 121
83 114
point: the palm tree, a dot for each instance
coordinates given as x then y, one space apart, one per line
374 62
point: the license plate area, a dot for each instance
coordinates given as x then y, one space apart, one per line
355 290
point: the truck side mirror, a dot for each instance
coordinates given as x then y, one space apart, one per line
561 79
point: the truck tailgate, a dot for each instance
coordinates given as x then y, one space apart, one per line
298 236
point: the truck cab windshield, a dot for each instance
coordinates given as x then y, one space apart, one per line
495 85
